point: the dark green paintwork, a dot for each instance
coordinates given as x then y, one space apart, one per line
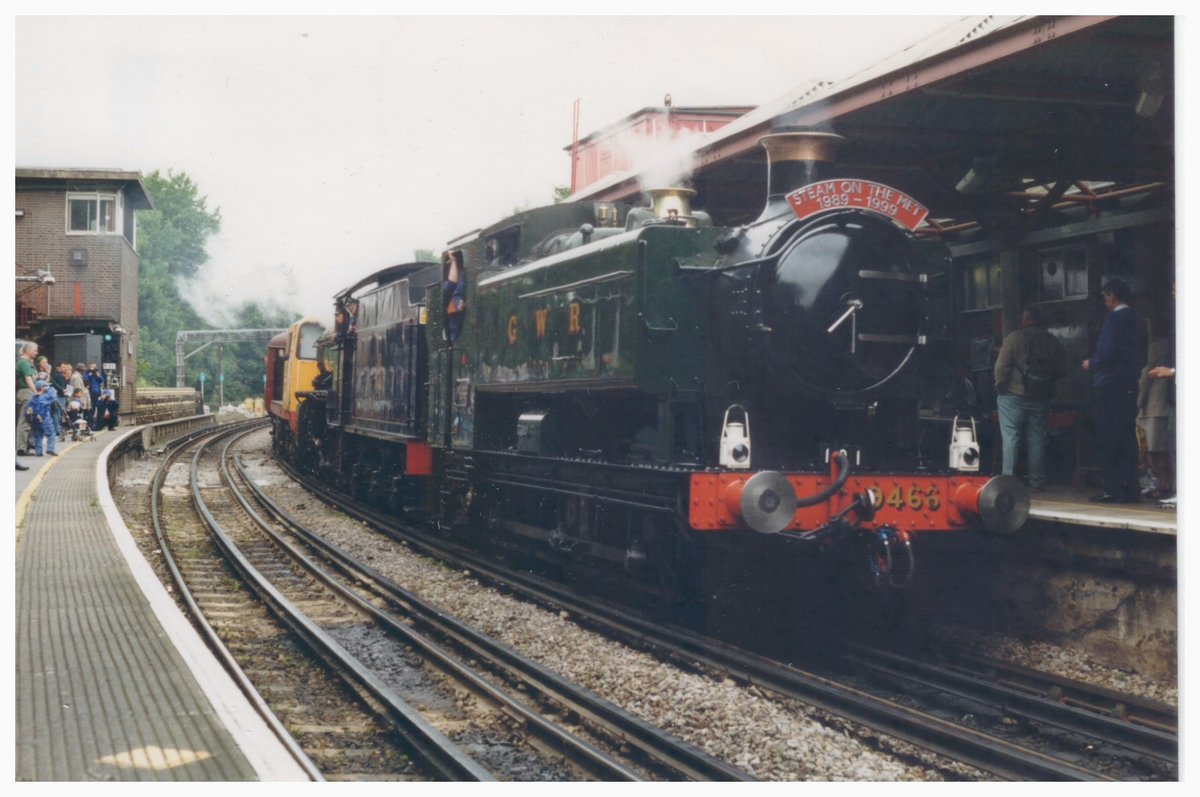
616 313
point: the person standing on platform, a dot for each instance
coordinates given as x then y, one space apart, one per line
41 418
25 391
1030 363
95 383
62 383
1160 373
1115 367
1154 410
60 377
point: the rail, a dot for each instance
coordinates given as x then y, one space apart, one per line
989 753
154 435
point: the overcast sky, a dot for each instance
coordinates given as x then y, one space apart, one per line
334 146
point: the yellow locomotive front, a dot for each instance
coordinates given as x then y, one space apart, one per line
291 368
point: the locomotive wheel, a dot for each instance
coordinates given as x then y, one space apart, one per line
672 568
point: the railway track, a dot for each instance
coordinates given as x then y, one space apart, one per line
462 725
322 724
1137 711
1078 718
1035 731
661 750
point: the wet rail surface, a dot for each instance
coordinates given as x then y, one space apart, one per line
1064 730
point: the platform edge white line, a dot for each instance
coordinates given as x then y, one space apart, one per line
264 752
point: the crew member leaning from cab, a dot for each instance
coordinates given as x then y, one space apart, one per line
453 288
345 319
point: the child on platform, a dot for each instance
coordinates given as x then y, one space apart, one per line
43 428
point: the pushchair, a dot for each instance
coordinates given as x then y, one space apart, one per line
80 430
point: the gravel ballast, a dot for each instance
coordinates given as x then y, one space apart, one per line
770 737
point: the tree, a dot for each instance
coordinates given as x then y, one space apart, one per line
561 192
171 241
173 235
171 247
424 256
161 314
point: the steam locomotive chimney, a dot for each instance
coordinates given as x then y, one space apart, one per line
795 158
671 203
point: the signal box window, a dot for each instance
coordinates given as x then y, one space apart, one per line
91 213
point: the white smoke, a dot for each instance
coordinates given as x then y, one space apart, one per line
666 161
218 300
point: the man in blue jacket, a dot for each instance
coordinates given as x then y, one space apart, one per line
1115 367
95 383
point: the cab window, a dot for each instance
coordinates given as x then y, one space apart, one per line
307 348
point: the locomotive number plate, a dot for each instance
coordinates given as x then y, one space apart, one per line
915 497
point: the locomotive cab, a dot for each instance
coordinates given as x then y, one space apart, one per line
291 366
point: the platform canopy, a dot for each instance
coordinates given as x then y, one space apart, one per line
994 121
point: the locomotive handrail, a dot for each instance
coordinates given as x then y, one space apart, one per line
610 277
733 266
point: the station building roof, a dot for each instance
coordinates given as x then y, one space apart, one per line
1045 110
136 195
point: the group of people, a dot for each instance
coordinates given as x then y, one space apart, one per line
54 403
1127 396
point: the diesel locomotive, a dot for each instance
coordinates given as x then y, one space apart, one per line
639 392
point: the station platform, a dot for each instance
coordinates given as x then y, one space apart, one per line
112 682
1071 506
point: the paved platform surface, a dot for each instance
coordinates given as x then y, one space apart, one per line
111 681
1071 505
